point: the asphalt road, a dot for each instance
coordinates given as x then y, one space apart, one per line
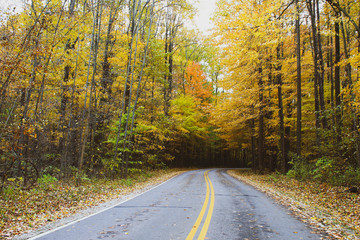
201 204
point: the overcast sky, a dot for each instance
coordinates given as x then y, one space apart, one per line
202 19
7 3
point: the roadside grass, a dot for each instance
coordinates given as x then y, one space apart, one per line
23 210
327 208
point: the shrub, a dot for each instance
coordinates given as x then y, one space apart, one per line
301 169
79 175
326 170
127 182
351 177
46 181
12 188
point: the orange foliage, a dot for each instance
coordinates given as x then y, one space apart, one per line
197 86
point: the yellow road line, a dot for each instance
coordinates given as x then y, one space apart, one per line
210 212
202 212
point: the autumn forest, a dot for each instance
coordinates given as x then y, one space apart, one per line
109 88
114 90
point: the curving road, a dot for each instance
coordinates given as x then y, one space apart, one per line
201 204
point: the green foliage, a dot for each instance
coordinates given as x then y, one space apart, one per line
301 169
147 174
127 182
51 170
324 170
76 175
275 176
351 177
8 192
110 165
12 188
336 173
155 161
186 116
46 181
71 98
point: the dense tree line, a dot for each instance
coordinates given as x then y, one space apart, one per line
110 87
291 80
104 88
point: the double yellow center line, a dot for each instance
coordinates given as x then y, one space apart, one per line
203 210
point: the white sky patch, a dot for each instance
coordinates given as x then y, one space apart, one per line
4 4
202 18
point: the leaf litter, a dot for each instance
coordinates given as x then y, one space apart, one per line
325 208
23 210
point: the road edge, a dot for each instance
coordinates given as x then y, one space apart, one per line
294 206
92 211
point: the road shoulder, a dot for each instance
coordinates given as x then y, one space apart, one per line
98 207
302 204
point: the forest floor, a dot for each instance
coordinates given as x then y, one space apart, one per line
326 208
23 210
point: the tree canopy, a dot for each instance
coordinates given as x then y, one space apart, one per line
111 87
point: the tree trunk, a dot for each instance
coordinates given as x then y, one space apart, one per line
337 83
310 6
281 112
298 81
87 114
356 115
254 164
261 137
133 31
321 69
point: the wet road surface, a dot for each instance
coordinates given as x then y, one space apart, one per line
201 204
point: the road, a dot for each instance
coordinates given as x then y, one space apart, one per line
201 204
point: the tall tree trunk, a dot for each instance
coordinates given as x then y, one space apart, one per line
261 134
140 77
170 34
311 8
168 56
132 32
253 145
283 160
356 113
136 16
348 81
23 160
106 79
62 127
330 65
298 81
337 83
87 114
321 68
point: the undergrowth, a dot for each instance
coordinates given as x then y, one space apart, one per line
324 170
